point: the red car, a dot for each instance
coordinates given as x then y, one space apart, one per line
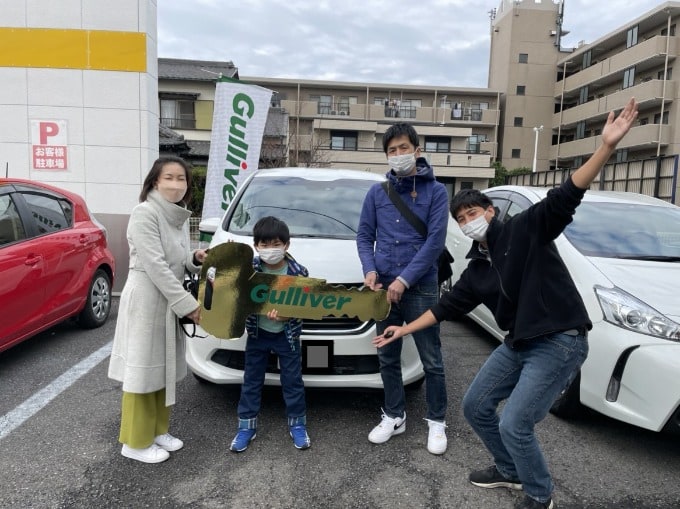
54 261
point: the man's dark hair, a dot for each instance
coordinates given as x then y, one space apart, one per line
400 129
270 228
468 198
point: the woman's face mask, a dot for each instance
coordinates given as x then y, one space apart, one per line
403 164
476 229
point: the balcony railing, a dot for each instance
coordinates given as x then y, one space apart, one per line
179 123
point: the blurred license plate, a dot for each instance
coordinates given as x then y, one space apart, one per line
317 357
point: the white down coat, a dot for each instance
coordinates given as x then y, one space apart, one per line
149 345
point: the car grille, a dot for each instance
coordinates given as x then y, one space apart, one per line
336 326
342 364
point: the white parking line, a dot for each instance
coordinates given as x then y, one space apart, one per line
40 399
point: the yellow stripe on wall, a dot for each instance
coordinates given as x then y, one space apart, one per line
73 49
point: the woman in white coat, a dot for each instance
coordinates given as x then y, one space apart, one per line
149 344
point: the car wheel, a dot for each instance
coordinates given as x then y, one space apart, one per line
98 304
568 403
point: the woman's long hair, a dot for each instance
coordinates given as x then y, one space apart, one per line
155 173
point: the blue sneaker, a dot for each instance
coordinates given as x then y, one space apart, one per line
300 436
242 439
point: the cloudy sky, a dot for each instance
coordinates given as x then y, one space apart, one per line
432 42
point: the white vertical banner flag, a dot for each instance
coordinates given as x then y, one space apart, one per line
240 114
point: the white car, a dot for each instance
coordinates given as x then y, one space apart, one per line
623 252
321 208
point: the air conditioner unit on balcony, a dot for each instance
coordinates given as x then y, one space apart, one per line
343 113
333 112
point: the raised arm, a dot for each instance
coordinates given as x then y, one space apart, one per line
612 133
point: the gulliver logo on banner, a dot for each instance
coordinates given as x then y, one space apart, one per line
49 145
238 124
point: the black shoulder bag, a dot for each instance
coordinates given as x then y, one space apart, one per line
445 258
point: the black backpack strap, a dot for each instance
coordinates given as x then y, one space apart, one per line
406 212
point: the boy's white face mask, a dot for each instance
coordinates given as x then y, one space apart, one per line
476 229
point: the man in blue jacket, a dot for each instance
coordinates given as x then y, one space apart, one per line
516 271
395 256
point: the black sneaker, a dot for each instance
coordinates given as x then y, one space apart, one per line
492 478
532 503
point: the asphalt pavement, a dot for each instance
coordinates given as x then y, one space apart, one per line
66 455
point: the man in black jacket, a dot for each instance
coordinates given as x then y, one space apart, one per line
516 271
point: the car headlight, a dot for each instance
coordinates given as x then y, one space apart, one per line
622 309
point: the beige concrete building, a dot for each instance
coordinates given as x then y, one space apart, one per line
340 125
544 107
555 100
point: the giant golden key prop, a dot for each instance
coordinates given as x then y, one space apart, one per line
229 290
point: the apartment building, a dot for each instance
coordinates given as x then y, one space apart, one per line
555 100
340 125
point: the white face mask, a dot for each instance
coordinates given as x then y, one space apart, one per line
403 164
271 255
476 229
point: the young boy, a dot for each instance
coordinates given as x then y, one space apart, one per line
272 333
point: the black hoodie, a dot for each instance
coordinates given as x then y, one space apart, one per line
526 285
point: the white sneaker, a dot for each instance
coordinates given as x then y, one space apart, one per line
436 437
168 442
152 454
388 427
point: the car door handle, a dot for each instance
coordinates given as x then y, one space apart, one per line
33 259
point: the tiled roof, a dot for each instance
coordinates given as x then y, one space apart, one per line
199 70
199 148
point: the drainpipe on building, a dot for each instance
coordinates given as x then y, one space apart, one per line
663 105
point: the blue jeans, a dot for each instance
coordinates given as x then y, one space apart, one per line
530 376
290 361
414 302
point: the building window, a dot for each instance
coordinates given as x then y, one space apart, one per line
466 185
665 31
474 142
324 104
343 140
407 108
518 122
178 113
343 104
632 37
516 153
437 144
622 155
578 162
580 130
669 74
524 58
628 77
587 59
583 95
521 89
657 118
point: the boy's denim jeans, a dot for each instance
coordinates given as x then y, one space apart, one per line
414 302
530 376
290 361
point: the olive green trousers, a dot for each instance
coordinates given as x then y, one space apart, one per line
143 418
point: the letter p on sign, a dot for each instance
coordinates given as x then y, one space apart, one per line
47 129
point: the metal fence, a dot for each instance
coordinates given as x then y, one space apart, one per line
656 177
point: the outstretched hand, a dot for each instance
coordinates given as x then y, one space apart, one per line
616 127
391 333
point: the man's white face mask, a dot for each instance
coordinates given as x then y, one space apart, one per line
403 164
476 229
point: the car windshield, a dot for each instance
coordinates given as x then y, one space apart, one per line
618 230
310 208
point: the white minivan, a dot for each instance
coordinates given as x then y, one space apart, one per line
321 208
